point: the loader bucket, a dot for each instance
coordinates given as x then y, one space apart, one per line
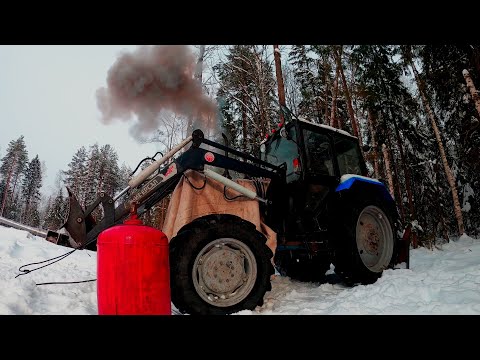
76 225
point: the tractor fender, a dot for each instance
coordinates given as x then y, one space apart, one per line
355 189
353 183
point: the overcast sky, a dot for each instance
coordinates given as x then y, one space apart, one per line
47 94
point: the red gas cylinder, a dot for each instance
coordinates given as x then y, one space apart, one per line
133 273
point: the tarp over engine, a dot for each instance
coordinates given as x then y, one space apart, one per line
188 203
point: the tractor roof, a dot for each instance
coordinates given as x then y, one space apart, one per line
343 132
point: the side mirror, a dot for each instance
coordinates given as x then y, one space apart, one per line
366 148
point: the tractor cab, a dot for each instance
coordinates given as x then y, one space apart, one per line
315 157
313 152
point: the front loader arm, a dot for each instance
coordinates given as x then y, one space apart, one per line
149 190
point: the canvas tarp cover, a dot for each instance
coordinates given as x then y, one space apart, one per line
188 203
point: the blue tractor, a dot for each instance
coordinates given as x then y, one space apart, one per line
319 201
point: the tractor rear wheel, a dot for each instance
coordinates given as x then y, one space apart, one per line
219 264
368 235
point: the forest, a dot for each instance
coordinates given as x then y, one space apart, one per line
414 109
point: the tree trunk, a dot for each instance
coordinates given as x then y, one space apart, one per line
5 191
15 181
281 86
333 122
340 123
317 102
448 171
348 98
441 209
352 94
473 91
396 182
25 216
199 66
408 185
244 122
265 123
388 170
326 81
100 181
371 126
476 58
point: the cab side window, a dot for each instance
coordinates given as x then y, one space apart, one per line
348 156
319 153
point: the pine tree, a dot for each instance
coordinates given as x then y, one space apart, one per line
92 183
14 210
308 74
353 120
247 95
472 89
56 214
450 98
32 183
292 89
334 98
76 175
47 209
35 218
44 207
390 106
12 167
434 122
94 172
108 175
124 176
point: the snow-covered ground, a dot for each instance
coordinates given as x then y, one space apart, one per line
445 281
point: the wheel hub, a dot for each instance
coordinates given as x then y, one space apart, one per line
369 235
222 270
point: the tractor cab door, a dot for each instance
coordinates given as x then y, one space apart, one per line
349 156
319 171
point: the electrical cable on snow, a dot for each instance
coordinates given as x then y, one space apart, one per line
57 259
65 282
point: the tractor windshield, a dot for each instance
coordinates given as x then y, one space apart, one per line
283 151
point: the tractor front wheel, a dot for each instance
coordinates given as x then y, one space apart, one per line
219 264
